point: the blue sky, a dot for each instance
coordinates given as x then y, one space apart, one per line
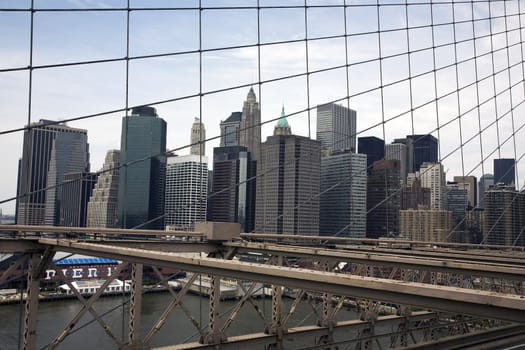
64 37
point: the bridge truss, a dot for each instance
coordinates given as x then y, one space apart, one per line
410 295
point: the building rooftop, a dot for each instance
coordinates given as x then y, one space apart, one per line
86 261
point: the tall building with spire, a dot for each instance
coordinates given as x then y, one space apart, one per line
143 174
102 206
288 183
50 151
198 136
250 128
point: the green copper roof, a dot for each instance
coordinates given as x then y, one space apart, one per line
282 122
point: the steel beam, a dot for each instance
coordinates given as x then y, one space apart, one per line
85 308
165 246
11 269
373 241
84 302
94 230
255 340
18 245
457 300
487 339
135 308
487 269
31 305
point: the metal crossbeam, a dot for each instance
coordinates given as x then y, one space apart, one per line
455 265
94 230
458 300
263 339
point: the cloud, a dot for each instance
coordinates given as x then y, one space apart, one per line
73 91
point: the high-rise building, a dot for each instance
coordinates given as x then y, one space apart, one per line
504 222
198 138
457 202
233 195
288 183
76 192
373 147
426 225
343 198
102 206
413 195
433 177
186 191
143 171
336 127
383 199
420 149
468 183
49 152
398 151
485 181
230 130
504 171
250 131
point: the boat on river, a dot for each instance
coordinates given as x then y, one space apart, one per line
91 286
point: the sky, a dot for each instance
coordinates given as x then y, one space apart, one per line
60 93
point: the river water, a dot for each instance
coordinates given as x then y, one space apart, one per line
53 316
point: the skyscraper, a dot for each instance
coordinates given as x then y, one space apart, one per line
373 147
288 183
398 151
102 206
504 171
426 225
469 183
336 127
230 130
413 195
198 136
49 152
186 191
433 177
343 198
143 171
504 222
233 195
457 202
383 200
485 181
420 149
250 131
76 191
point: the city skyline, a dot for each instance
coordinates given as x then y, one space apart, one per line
396 140
57 95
